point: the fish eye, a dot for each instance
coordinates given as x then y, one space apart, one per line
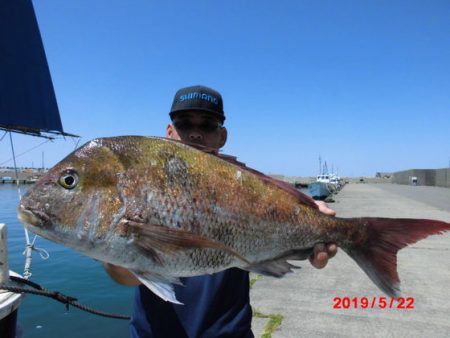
69 179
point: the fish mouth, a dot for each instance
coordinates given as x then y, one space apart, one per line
32 217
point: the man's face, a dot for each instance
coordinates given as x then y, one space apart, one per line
197 127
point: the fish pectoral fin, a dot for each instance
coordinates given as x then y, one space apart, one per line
279 266
161 287
160 238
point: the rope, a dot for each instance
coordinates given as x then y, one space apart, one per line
42 252
23 153
67 300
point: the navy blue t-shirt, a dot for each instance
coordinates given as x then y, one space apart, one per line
216 305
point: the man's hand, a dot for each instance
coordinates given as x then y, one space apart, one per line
322 253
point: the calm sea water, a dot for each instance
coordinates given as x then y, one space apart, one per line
70 273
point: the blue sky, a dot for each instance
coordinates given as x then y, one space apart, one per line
363 84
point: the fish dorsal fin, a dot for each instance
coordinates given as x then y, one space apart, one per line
154 238
159 286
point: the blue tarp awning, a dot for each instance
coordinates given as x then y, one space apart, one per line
27 98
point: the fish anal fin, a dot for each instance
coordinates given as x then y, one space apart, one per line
279 266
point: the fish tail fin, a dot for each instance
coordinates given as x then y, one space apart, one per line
377 256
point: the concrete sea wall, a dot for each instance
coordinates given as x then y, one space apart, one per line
431 177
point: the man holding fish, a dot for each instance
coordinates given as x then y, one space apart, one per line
215 305
189 223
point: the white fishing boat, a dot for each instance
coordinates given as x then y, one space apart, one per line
325 183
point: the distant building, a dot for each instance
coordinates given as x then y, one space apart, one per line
383 175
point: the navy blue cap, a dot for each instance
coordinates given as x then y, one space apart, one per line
198 98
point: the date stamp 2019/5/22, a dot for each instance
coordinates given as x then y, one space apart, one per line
373 303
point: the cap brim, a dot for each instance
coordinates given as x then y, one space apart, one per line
216 114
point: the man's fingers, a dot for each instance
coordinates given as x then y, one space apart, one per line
331 250
320 256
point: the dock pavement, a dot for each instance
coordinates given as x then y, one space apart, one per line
306 298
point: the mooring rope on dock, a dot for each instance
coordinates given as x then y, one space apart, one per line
58 296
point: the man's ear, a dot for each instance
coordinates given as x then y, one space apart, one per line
170 130
223 136
172 133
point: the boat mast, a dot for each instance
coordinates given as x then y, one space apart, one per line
320 165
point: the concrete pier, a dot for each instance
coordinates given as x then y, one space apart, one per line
306 297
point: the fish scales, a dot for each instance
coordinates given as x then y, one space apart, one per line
166 210
222 202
